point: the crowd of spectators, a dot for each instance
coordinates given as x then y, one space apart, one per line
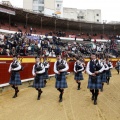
29 45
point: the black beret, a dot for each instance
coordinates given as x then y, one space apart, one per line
93 53
58 54
15 56
37 57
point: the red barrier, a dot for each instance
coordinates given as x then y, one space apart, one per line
26 73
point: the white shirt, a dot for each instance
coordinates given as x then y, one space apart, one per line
106 68
15 69
47 66
111 66
88 68
63 70
39 72
80 69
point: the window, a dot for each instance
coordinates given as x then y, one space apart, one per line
35 1
41 1
97 20
58 5
97 14
41 8
81 17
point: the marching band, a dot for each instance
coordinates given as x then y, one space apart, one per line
98 70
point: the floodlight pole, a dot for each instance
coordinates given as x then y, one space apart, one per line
41 25
67 25
91 29
26 21
103 28
55 24
9 21
114 29
80 27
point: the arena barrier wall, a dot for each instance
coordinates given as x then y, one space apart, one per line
27 63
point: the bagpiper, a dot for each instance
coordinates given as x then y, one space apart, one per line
46 65
60 68
78 68
103 74
94 69
108 72
117 67
14 69
38 73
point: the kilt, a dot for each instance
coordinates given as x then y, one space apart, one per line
46 75
78 76
40 83
62 83
97 85
16 80
103 77
117 67
108 73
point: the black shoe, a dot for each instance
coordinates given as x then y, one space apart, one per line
95 102
60 100
14 96
78 89
39 94
101 89
92 98
45 82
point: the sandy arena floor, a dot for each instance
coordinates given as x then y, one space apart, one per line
76 105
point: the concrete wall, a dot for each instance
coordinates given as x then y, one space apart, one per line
89 15
28 4
70 13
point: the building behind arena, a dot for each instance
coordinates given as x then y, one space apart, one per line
55 8
48 7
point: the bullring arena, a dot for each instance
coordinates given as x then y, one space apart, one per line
77 104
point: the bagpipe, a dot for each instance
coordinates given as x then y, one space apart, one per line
38 68
60 65
14 65
22 67
97 66
78 67
109 64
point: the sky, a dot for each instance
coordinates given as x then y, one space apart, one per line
109 8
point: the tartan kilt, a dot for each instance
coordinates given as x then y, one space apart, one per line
40 83
97 85
103 77
108 73
16 80
78 76
61 83
117 67
45 75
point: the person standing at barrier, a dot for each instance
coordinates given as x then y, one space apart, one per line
94 69
60 68
108 72
117 67
14 69
78 68
38 72
47 65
